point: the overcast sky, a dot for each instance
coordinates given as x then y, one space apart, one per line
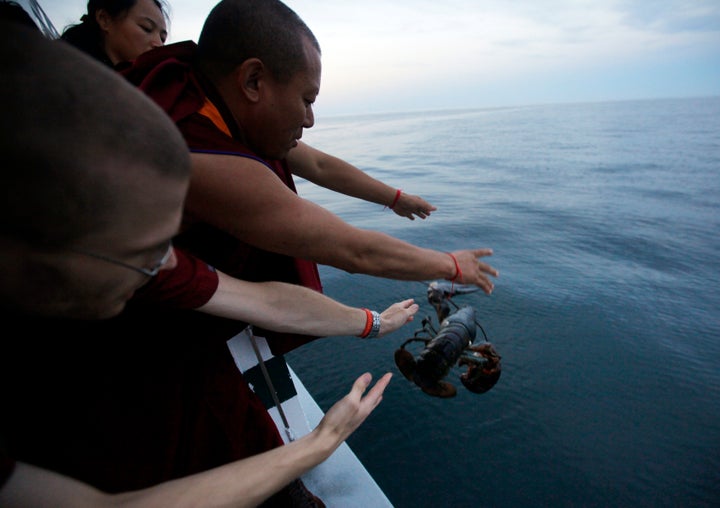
409 55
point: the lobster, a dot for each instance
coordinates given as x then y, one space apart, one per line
452 344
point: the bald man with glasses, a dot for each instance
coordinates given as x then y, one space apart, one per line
81 205
152 271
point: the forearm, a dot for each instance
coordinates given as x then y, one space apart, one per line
356 183
30 486
338 175
244 483
283 307
384 256
318 235
272 217
381 255
250 481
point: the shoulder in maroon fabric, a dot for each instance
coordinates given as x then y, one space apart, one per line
187 286
165 75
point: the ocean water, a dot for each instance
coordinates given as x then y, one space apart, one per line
605 224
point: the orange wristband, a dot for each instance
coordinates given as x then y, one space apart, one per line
368 323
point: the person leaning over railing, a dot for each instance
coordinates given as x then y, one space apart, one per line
79 236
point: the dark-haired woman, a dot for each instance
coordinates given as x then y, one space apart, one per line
117 31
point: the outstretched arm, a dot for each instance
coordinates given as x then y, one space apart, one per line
246 199
291 308
335 174
244 483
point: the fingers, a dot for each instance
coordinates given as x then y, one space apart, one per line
400 307
486 268
409 314
486 285
408 308
410 206
411 311
374 396
475 271
423 206
478 253
350 412
360 385
408 213
397 315
408 304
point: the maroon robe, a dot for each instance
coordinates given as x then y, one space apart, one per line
168 77
153 394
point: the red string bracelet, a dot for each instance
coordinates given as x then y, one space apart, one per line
458 272
368 323
397 196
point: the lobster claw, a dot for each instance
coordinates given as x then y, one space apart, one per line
406 363
484 370
451 345
441 389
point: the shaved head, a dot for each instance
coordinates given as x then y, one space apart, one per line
76 133
90 164
236 30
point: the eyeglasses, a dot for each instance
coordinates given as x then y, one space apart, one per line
149 272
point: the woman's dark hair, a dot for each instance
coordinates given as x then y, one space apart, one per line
87 35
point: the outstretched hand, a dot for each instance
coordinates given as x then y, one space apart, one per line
408 205
343 418
474 271
397 315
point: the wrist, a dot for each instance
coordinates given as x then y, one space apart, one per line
323 441
375 330
456 273
372 324
395 200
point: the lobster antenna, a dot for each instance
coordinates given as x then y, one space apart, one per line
482 330
449 299
426 323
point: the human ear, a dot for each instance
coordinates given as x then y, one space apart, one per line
103 19
249 78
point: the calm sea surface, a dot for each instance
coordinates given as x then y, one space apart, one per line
605 224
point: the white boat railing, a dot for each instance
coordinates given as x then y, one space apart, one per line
341 480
